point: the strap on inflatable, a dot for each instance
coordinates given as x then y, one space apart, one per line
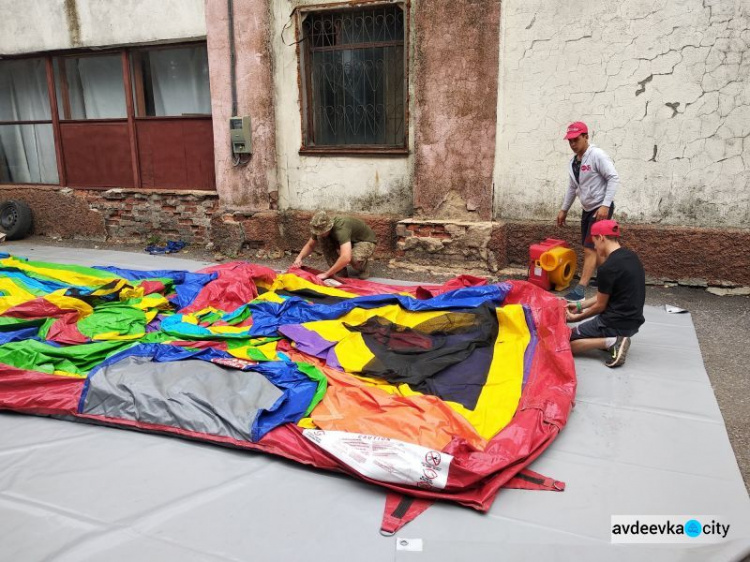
399 510
530 480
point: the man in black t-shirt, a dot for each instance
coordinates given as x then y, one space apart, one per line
618 305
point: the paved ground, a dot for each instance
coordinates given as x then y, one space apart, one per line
722 325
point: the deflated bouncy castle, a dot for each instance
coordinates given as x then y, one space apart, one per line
434 392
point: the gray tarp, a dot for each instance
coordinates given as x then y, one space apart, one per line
644 439
194 395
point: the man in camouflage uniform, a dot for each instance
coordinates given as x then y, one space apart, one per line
344 240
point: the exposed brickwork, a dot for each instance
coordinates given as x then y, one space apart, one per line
146 214
117 214
498 244
226 234
262 230
295 229
447 243
520 235
692 256
244 233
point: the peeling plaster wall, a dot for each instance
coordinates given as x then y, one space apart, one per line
359 184
251 185
46 25
664 86
455 109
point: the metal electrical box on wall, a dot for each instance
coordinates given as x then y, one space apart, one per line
241 136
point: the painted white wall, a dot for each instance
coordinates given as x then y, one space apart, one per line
45 25
29 27
370 184
664 85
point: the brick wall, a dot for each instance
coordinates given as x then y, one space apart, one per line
118 215
694 256
144 214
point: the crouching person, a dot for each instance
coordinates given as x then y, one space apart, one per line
344 240
616 312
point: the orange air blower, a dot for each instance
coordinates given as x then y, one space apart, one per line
551 262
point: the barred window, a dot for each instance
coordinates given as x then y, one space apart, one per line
354 86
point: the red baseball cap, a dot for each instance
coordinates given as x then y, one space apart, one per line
605 228
576 130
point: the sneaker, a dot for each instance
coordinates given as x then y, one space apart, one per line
618 352
576 294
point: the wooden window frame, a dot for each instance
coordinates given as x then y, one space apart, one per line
133 97
52 121
304 80
139 93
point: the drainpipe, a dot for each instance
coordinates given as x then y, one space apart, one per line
232 56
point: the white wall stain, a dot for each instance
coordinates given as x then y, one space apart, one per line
41 25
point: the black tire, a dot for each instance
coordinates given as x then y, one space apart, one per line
15 219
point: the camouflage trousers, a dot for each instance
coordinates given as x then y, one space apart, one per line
361 252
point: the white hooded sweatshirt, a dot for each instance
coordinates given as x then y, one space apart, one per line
598 181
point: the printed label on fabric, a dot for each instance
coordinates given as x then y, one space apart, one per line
384 459
537 271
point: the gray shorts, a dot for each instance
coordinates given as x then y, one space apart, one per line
595 328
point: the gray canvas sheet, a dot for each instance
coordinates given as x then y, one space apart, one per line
645 439
192 394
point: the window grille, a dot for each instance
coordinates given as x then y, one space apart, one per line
354 75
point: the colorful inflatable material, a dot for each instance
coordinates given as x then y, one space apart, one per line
434 392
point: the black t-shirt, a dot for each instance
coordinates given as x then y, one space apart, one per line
623 279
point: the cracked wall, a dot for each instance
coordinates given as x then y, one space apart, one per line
46 25
346 183
664 87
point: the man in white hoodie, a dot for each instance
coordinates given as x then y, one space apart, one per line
594 180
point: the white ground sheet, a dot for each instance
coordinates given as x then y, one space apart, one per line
645 439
